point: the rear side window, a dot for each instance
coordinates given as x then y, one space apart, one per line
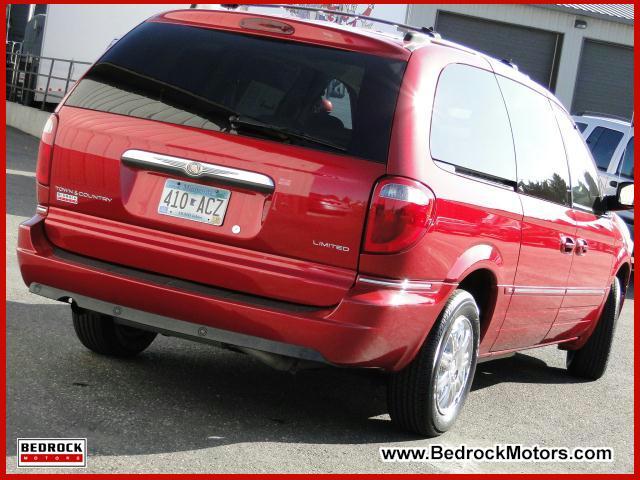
581 126
585 190
603 143
540 156
470 126
324 98
626 165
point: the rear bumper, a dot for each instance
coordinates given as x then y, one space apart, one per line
377 324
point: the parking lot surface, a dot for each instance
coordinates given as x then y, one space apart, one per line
186 407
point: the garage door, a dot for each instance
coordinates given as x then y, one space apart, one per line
534 51
605 79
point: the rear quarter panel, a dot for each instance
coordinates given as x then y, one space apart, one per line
477 224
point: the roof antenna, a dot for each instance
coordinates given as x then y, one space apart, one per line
429 31
510 63
413 36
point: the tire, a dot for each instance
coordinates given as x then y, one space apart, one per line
411 393
100 334
590 361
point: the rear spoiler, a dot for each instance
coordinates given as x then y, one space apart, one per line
289 28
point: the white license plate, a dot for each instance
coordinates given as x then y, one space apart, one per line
193 201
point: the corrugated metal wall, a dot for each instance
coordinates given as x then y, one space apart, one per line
537 17
507 41
604 77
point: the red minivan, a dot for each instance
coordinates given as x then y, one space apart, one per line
315 194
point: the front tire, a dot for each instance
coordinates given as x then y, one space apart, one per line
100 334
427 396
590 361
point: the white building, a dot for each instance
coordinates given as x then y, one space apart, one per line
582 52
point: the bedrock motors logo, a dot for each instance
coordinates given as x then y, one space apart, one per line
52 452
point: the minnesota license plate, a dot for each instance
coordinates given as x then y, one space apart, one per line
192 201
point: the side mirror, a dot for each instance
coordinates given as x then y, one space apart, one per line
622 200
626 194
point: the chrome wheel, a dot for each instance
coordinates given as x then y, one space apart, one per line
453 366
427 395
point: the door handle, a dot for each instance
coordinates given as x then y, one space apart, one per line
582 247
567 244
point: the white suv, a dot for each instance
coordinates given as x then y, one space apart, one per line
611 143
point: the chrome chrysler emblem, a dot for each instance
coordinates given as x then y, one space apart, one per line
194 169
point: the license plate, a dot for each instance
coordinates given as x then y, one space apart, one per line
193 201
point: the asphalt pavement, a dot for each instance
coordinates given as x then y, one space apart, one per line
187 407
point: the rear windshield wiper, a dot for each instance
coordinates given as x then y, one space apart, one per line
282 134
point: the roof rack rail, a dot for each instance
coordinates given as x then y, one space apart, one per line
425 30
592 113
510 63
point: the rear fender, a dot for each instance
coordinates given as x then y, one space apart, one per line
487 257
480 256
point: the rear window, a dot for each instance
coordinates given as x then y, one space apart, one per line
313 96
603 143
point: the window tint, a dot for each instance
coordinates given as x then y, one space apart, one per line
470 126
542 165
625 169
201 77
581 126
585 189
603 143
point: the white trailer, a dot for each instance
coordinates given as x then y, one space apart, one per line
81 33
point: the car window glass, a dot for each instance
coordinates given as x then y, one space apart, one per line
581 126
540 156
585 189
603 143
626 165
470 126
339 106
200 77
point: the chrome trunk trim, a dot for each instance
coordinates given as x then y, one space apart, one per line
195 169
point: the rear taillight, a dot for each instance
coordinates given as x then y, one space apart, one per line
399 215
45 153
